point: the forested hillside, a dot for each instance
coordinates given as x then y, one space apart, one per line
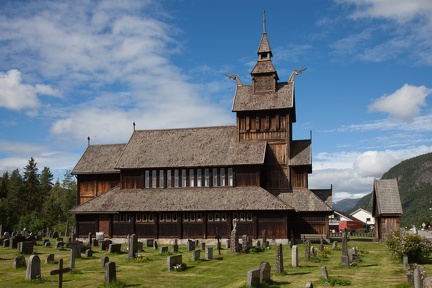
31 200
415 187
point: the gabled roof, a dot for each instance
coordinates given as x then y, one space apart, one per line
245 100
99 159
182 199
301 152
347 216
304 200
189 147
386 198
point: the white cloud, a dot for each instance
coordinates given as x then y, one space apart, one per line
398 10
16 95
404 103
373 163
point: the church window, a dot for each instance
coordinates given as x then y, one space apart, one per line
230 177
215 177
176 178
161 179
191 178
183 177
206 177
147 179
168 178
154 178
199 178
222 177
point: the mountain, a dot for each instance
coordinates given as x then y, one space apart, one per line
345 205
415 188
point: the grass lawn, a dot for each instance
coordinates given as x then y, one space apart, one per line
376 269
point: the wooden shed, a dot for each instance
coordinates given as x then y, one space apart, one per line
193 182
386 207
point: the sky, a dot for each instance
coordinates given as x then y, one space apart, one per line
76 69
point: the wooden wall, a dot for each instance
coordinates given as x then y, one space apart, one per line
92 185
263 125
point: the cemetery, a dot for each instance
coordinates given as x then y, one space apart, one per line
353 261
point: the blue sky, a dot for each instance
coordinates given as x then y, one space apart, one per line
69 70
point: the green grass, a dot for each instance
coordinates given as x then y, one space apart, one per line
376 269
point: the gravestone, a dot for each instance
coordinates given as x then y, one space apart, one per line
19 262
427 283
309 285
258 244
95 242
196 254
244 243
351 255
60 271
345 258
218 237
6 242
155 245
335 243
50 259
163 249
345 261
279 258
294 256
175 247
114 248
25 247
234 243
265 271
321 246
59 245
104 244
132 246
110 272
88 253
203 245
54 234
148 242
312 251
405 263
33 268
190 245
209 253
307 250
264 238
90 239
104 260
173 260
140 246
419 276
253 278
324 273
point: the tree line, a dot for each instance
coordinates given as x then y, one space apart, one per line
33 201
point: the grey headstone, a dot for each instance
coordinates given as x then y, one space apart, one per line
307 250
6 242
209 253
234 244
163 249
114 248
175 248
324 273
427 283
190 245
132 246
345 261
253 278
110 272
19 262
265 271
309 285
419 276
405 263
335 243
33 268
294 256
155 245
344 244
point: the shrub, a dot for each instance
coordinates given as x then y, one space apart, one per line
414 246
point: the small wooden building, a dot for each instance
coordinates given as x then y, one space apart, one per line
386 207
193 182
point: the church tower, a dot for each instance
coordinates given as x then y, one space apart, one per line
265 111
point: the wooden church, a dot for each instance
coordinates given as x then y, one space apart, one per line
193 182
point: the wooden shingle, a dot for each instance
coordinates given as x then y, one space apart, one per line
386 197
99 159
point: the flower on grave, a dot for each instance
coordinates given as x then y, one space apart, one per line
179 267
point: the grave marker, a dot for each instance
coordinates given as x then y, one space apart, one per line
104 260
294 256
133 246
19 262
279 258
196 254
110 272
253 278
209 253
173 260
50 259
324 273
60 272
33 268
265 271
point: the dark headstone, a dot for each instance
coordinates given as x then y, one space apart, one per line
50 259
104 260
196 254
114 248
190 245
88 253
209 253
163 249
307 250
19 262
279 258
173 260
25 247
132 246
6 242
110 272
33 268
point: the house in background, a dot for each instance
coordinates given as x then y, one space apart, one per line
193 182
340 221
386 207
364 216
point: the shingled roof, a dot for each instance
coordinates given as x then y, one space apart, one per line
245 100
189 147
182 199
386 198
301 152
304 200
99 159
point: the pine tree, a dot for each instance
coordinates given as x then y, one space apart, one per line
15 191
46 178
4 185
32 200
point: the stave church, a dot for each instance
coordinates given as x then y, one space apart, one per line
194 183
